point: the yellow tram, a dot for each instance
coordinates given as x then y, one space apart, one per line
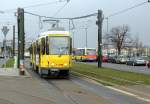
51 53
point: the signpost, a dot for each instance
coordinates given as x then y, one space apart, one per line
5 31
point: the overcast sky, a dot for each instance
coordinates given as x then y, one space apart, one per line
138 19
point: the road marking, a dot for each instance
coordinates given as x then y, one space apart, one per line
128 93
118 90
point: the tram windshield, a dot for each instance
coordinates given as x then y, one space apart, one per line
91 51
59 45
79 52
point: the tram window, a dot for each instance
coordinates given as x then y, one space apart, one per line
34 49
70 45
47 46
31 50
43 45
37 48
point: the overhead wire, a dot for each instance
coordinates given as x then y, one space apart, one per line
36 5
85 16
43 4
43 15
60 9
127 9
67 18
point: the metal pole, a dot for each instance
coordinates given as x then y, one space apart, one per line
5 47
13 40
69 26
39 26
86 38
107 25
99 23
73 38
21 39
18 23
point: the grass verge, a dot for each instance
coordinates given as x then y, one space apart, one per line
9 63
110 76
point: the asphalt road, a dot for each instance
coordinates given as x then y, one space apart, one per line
124 67
81 91
114 97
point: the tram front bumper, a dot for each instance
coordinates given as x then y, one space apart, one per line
53 71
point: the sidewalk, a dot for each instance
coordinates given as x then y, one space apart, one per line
15 89
9 72
21 90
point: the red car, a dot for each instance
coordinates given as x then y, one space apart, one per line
104 58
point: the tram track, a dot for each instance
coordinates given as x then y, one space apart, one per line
67 95
55 86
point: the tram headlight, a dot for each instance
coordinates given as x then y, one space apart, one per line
52 64
65 64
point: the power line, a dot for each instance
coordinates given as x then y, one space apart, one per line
86 16
43 16
60 9
43 4
37 5
73 18
125 10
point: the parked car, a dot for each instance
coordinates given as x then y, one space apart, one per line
146 58
111 59
104 58
1 56
121 59
136 61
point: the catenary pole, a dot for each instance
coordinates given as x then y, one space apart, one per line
99 24
21 40
13 40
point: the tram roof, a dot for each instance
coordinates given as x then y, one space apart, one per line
84 48
47 33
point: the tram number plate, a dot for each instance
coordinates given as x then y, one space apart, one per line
54 70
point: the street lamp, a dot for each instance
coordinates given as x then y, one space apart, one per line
107 25
86 37
86 28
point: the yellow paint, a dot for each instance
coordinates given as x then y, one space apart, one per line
51 61
56 61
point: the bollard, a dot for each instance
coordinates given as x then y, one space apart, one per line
22 68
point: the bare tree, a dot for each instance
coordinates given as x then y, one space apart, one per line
119 36
141 49
137 42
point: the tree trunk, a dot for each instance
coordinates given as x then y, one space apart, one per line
119 51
